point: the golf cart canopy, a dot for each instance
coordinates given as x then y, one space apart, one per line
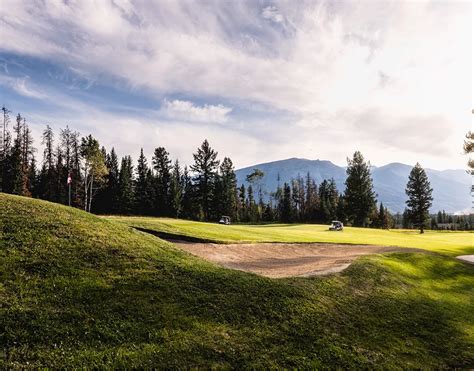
224 219
336 225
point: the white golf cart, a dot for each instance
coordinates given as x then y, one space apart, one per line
224 220
336 225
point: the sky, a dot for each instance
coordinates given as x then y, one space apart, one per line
261 80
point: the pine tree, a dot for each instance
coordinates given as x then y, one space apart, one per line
406 222
285 206
33 178
47 175
66 137
16 163
326 210
144 198
250 205
205 169
298 198
419 200
60 181
228 197
176 190
162 167
359 194
243 214
109 194
268 212
312 199
332 199
188 205
383 217
125 191
75 172
27 153
341 210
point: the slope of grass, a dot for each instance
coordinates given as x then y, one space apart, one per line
81 291
446 242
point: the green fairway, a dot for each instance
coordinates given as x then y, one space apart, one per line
77 290
450 243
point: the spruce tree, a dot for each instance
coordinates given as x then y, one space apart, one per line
419 195
33 178
383 217
66 139
298 198
205 169
143 195
60 179
243 214
162 167
77 196
332 199
47 175
341 210
176 191
285 206
188 205
27 153
228 197
111 189
326 210
359 194
250 205
312 199
125 192
16 164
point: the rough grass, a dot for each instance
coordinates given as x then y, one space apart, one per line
445 242
81 291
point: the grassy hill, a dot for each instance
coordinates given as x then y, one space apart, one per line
446 242
78 290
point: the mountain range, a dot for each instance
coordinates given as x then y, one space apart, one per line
451 188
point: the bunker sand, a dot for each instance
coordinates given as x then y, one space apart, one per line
278 260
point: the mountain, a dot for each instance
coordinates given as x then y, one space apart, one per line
450 187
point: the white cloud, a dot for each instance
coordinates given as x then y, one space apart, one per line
188 111
22 86
327 63
271 12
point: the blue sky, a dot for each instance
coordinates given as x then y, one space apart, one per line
260 80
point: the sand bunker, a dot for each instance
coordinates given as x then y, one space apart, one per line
278 260
466 258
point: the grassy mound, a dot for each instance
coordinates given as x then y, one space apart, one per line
77 290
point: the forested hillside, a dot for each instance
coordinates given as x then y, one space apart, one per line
450 187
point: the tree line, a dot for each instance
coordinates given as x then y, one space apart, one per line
77 171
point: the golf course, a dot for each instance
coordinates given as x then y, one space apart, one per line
78 290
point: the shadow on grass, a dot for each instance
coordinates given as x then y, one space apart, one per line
182 312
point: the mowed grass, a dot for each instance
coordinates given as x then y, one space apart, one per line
81 291
445 242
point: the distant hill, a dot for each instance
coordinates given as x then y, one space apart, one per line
450 187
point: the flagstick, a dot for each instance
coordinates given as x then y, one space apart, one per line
69 181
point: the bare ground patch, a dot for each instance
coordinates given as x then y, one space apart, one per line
277 260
